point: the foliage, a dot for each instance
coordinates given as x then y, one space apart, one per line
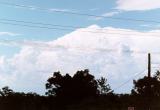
147 86
81 85
103 87
64 90
6 91
157 75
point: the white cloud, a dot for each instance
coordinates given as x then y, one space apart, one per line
8 34
151 26
108 14
60 10
26 7
111 13
137 5
93 9
33 7
107 51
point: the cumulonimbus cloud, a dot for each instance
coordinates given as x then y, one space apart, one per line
115 53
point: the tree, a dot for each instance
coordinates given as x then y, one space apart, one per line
157 75
81 85
147 86
6 91
103 87
54 83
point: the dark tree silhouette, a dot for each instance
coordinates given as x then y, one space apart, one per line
103 87
67 92
6 91
157 75
54 83
80 86
147 86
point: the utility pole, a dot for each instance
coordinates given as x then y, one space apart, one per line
149 65
149 76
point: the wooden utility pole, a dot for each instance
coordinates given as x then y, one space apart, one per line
149 65
149 76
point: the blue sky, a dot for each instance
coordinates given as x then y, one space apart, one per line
86 6
89 7
20 45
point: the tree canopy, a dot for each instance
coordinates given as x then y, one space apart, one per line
147 86
80 86
83 92
103 87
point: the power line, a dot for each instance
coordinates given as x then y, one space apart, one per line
65 28
56 25
39 23
80 14
32 26
126 82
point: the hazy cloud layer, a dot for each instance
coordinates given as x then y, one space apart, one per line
8 34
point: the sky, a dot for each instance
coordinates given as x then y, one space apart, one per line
111 38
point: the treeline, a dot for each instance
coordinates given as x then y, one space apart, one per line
83 92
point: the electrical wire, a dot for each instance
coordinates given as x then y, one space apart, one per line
126 82
64 28
56 25
80 14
